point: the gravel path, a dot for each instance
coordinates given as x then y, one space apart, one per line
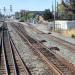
34 63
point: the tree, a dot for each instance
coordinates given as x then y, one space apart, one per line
30 15
70 8
62 13
47 15
26 15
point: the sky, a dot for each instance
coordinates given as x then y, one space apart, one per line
32 5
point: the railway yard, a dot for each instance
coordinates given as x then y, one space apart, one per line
26 49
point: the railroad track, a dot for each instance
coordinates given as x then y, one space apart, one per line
57 67
62 42
11 62
66 44
0 46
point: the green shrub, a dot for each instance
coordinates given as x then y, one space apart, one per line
21 20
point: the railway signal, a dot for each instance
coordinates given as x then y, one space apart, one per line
4 9
4 12
10 8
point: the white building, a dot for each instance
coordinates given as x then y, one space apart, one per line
65 25
62 25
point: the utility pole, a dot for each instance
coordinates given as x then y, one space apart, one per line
4 12
55 15
57 10
10 10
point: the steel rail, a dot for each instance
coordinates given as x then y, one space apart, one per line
50 64
61 59
10 63
70 46
19 30
4 70
22 68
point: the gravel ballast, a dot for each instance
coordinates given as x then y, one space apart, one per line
33 62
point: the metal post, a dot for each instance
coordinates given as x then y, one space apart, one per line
57 11
4 13
55 15
10 10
